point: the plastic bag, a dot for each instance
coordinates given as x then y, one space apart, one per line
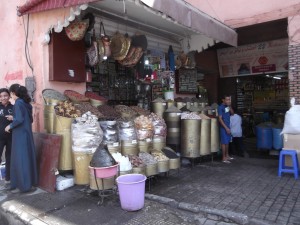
86 133
292 119
127 131
110 132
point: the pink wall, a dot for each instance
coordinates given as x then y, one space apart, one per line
245 11
14 68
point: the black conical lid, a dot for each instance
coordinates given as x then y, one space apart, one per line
102 157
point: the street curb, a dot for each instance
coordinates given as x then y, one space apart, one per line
17 216
214 214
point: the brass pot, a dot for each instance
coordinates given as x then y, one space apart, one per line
151 169
49 117
159 108
179 105
158 143
144 146
163 166
139 170
129 148
81 162
174 164
125 172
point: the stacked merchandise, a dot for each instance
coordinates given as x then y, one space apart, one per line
86 137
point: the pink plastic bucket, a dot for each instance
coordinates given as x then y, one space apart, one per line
132 191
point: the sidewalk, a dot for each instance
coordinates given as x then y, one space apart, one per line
247 191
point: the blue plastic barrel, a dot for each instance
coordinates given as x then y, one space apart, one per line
277 138
264 137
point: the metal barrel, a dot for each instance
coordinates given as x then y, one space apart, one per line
190 138
96 103
173 127
205 137
159 108
139 170
215 135
174 164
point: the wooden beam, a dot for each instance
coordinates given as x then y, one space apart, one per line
264 17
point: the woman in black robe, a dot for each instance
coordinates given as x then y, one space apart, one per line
23 168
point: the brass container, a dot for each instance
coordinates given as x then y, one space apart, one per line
158 143
114 148
139 170
174 164
129 148
163 166
125 172
188 105
144 146
49 117
103 184
170 103
179 105
159 108
62 126
205 137
215 135
51 101
81 162
190 138
151 169
173 127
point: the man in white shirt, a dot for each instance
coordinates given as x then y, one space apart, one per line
237 134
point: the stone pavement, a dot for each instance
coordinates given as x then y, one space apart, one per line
247 191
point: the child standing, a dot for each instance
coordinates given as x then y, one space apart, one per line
237 133
6 109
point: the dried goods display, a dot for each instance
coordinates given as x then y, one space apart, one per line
53 94
159 125
86 133
125 111
95 96
74 96
140 111
87 107
124 163
127 131
136 161
109 112
159 156
147 158
144 127
190 116
110 132
67 109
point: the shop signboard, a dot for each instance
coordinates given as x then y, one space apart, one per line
258 58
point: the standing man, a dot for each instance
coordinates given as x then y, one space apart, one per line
224 111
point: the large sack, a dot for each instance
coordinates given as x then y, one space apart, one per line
292 119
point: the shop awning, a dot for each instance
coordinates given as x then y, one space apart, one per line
195 19
32 6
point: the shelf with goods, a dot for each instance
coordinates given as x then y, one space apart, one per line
113 81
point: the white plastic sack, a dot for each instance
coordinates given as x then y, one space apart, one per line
292 119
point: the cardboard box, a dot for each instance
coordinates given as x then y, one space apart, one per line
291 142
